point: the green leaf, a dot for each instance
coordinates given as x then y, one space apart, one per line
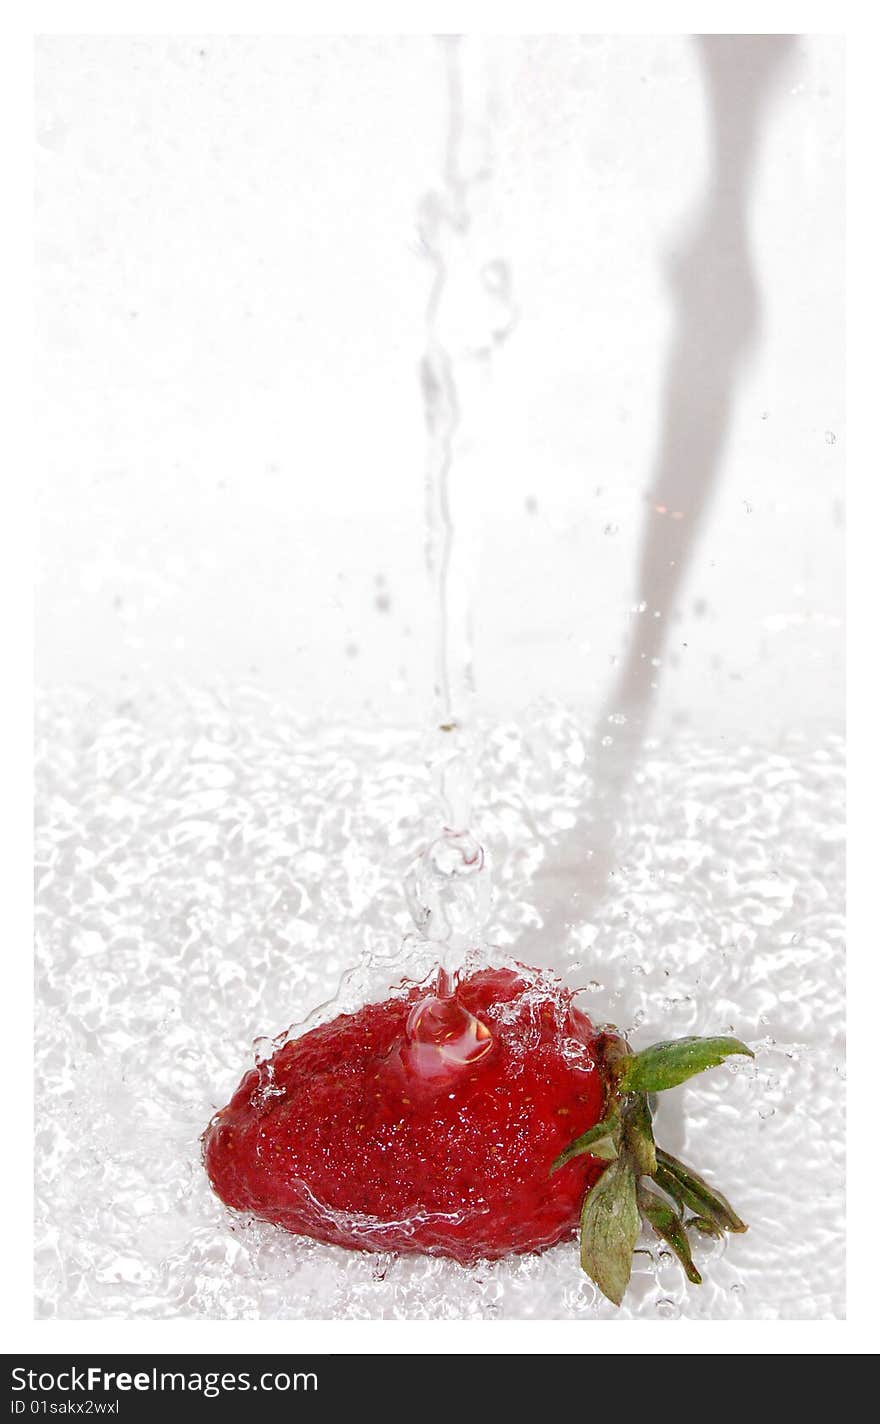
670 1228
665 1065
610 1229
691 1190
605 1148
664 1178
599 1141
639 1134
703 1224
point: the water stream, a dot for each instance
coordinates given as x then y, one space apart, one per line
469 313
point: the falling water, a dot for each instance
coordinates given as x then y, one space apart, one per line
469 312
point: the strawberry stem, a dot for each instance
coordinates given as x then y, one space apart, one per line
624 1138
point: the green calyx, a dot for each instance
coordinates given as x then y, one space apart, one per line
642 1183
601 1141
665 1065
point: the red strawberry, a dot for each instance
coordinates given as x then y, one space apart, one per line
447 1126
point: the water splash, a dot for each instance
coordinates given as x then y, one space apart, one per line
442 1037
448 890
729 910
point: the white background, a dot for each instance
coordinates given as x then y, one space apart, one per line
232 297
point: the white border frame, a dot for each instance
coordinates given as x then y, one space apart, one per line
20 1332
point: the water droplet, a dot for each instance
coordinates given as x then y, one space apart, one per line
448 889
442 1037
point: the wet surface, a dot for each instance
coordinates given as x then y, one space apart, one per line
208 869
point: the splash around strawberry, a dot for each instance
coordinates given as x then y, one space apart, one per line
475 1126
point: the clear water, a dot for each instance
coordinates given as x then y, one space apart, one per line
208 869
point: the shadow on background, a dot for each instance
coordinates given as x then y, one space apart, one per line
717 321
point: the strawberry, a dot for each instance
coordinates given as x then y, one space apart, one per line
472 1125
